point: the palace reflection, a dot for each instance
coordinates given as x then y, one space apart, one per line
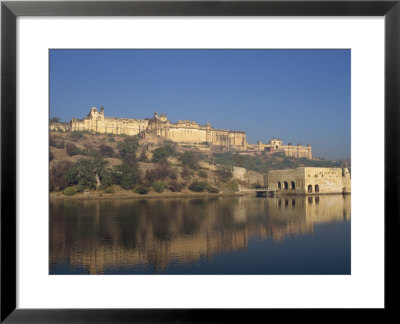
102 236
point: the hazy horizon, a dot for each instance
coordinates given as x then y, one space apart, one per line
299 96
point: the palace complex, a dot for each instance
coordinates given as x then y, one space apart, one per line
204 137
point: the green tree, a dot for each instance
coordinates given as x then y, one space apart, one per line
127 150
55 120
162 153
58 173
126 176
85 173
198 186
81 174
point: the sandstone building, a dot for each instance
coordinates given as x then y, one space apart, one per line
184 132
275 145
307 180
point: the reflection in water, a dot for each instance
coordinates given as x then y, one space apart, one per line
112 236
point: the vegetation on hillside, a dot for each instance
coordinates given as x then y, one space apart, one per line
264 163
81 161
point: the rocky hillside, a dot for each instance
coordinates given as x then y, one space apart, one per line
102 164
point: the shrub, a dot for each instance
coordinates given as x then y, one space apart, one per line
233 186
60 144
186 173
211 189
76 135
52 141
72 149
174 186
57 144
69 191
106 151
51 156
55 120
256 185
143 156
173 174
198 186
225 172
142 190
159 186
109 190
189 159
202 174
162 171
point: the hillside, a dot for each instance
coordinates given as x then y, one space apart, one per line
124 166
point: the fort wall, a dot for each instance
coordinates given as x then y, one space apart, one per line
182 132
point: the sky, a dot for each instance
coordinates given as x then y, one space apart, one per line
299 96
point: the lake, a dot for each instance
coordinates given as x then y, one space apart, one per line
229 235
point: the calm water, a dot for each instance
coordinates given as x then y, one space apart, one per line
246 235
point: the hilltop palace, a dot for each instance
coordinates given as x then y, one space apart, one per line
183 133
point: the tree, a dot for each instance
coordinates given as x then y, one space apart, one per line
126 176
127 150
54 120
162 153
57 177
198 186
86 173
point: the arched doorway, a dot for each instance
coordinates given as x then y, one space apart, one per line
309 188
279 185
293 185
285 184
316 188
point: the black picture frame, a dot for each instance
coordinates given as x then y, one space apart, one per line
10 10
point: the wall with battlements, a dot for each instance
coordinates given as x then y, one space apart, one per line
276 145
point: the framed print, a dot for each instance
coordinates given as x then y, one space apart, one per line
242 181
